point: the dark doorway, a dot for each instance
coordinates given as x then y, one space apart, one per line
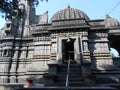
68 50
114 43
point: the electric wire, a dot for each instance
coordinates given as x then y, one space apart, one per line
118 3
114 8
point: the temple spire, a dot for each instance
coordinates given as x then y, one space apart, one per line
28 17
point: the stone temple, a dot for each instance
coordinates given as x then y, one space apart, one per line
31 47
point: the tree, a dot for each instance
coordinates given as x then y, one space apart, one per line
6 6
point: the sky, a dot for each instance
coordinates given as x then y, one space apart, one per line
95 9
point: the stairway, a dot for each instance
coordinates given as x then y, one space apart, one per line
75 76
76 80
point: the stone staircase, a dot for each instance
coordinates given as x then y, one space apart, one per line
70 88
75 76
57 81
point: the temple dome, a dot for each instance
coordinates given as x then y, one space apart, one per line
111 22
69 14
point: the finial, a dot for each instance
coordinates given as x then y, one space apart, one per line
46 12
107 16
68 6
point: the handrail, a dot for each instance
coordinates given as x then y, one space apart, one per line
67 75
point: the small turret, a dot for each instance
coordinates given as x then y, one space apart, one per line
111 22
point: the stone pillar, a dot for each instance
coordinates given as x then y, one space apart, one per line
22 79
15 54
86 61
84 49
54 46
13 73
4 79
23 53
77 50
59 54
100 51
13 79
22 65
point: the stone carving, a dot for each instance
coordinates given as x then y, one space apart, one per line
30 47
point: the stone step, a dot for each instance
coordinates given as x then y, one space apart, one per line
75 75
70 76
72 65
75 68
106 72
106 80
64 69
70 88
63 76
71 73
71 79
73 84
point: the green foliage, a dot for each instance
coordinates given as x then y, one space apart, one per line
6 6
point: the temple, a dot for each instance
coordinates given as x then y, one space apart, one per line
31 47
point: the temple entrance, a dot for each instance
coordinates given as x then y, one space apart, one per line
68 50
114 44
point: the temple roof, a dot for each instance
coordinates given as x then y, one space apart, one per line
111 22
68 14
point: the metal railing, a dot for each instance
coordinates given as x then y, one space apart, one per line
67 76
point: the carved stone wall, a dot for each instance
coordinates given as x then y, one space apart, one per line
37 45
99 49
41 55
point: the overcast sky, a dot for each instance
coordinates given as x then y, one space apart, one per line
95 9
